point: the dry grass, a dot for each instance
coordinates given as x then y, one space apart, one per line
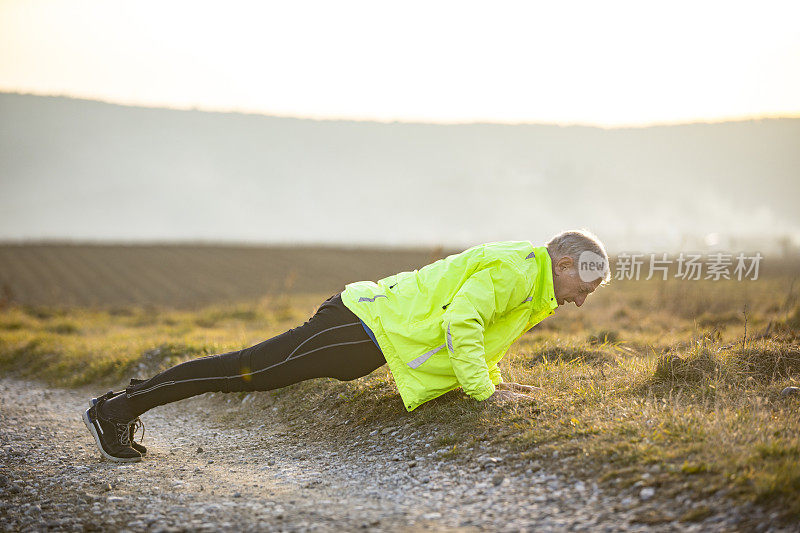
79 346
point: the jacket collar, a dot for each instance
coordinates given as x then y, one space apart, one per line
544 290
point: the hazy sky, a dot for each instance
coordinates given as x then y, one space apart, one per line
606 62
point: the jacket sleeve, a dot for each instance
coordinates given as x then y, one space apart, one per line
485 295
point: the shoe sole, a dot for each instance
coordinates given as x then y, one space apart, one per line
90 427
92 403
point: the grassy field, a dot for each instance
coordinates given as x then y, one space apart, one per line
186 276
674 385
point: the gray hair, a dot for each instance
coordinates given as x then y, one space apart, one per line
573 243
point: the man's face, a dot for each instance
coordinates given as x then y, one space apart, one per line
567 283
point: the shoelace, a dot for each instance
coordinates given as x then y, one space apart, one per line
136 423
123 433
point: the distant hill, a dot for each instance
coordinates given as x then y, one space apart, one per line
82 169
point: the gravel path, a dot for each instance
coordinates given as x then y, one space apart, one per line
203 474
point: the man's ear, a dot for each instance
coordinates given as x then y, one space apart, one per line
564 264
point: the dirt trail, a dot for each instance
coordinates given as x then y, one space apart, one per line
201 473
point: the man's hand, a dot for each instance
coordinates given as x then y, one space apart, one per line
518 387
501 395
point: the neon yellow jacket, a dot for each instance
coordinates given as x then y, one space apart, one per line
449 323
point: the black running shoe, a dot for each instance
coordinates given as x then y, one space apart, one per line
135 424
113 438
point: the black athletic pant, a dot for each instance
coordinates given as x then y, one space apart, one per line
332 343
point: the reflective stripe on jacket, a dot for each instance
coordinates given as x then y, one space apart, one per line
449 323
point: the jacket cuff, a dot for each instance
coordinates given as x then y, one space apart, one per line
483 393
